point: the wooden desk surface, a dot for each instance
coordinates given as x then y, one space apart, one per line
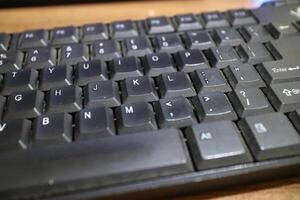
19 19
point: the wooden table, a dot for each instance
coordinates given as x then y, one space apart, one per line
19 19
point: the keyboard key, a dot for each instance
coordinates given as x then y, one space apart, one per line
21 80
175 84
190 60
39 58
77 162
2 105
55 76
28 104
14 134
10 60
250 101
125 67
137 46
214 19
64 99
217 144
52 129
174 112
254 53
137 89
210 80
295 118
282 29
243 76
255 33
135 117
34 38
156 64
170 43
93 32
90 71
158 25
64 35
4 41
186 22
270 136
198 40
106 50
222 56
212 106
92 123
227 36
102 93
71 54
123 29
279 71
285 97
240 17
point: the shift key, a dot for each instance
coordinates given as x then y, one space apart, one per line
285 97
279 72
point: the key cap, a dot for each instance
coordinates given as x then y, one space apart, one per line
279 72
210 80
282 29
243 76
227 36
128 158
169 43
14 134
92 123
254 53
249 102
295 118
174 112
71 54
137 89
240 17
135 117
222 56
52 129
33 38
123 29
175 84
28 104
270 136
158 25
214 19
21 80
106 50
186 22
55 76
39 58
4 41
101 93
90 71
64 35
285 97
190 60
217 144
92 32
198 40
64 99
255 33
156 64
10 60
212 106
137 46
122 68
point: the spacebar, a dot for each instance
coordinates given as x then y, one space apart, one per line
95 163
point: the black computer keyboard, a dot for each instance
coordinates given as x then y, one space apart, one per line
151 108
